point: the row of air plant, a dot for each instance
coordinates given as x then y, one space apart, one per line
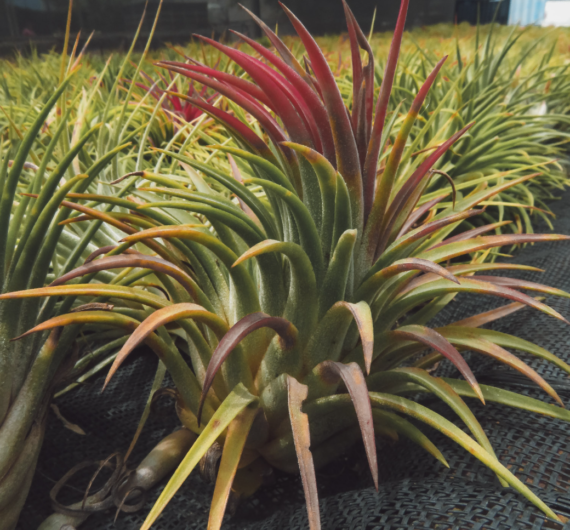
280 232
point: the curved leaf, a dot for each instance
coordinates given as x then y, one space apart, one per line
453 250
326 174
246 291
439 423
93 289
385 381
370 287
161 317
353 378
511 399
509 341
236 334
301 306
440 287
140 261
308 233
476 321
438 342
515 283
373 153
335 284
409 430
470 340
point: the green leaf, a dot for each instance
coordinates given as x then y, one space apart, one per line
511 399
308 233
447 428
247 301
327 340
238 432
231 407
327 176
385 381
335 284
384 418
229 343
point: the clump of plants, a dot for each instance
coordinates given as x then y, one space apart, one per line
290 298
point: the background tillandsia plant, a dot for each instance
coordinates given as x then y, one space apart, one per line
497 78
57 136
40 164
303 302
519 120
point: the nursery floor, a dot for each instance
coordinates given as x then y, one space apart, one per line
416 491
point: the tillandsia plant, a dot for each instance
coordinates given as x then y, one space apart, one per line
518 120
33 244
302 304
177 111
514 93
58 136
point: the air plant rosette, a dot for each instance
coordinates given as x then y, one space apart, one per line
304 310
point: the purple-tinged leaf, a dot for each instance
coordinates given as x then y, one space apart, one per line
409 188
123 261
303 86
515 283
233 80
289 59
418 213
236 126
109 219
395 250
438 342
355 383
382 217
296 394
371 286
470 234
274 86
461 248
471 340
105 250
243 99
363 318
465 269
362 84
481 319
162 317
247 325
373 154
437 288
83 317
348 163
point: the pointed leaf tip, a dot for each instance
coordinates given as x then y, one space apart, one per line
363 317
296 394
355 382
438 342
250 323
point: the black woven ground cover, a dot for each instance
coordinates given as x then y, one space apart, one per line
416 491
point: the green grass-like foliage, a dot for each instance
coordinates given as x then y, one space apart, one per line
303 305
